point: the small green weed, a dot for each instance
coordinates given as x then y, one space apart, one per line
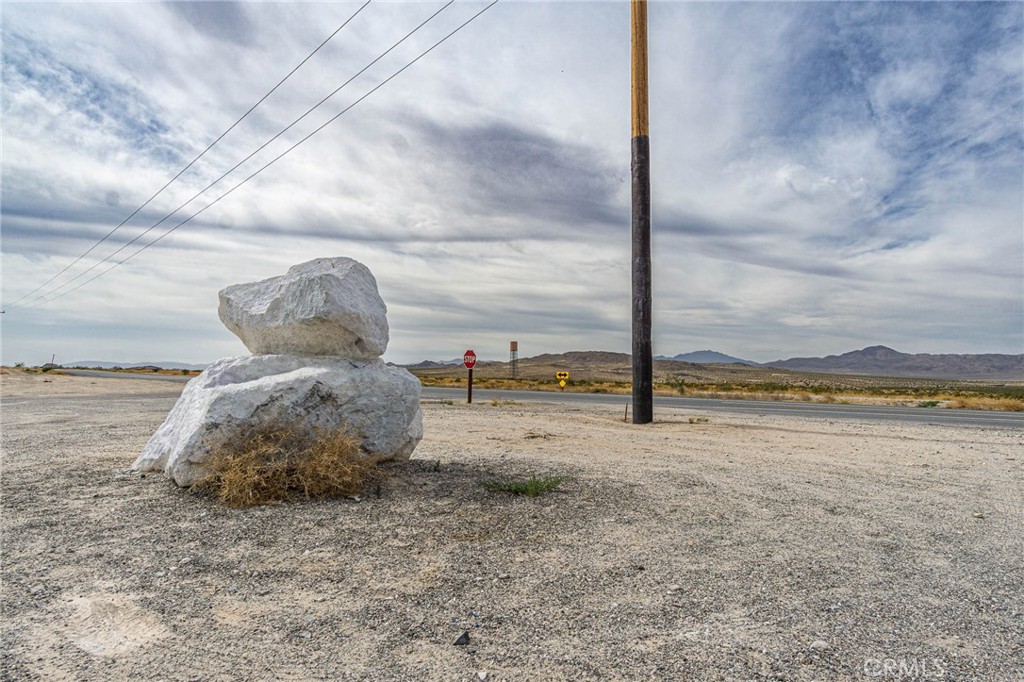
533 486
928 403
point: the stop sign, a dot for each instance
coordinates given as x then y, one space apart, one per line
470 359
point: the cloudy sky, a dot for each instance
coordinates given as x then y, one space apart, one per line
826 176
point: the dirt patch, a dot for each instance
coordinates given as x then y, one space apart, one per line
738 548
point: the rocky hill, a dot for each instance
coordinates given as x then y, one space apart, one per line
884 361
707 357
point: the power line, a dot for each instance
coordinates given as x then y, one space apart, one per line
279 156
39 299
199 156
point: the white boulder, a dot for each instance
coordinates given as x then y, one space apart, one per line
328 306
370 400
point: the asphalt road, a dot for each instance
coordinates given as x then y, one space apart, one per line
1012 420
124 375
761 407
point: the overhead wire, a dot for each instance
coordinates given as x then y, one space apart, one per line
193 161
39 300
279 156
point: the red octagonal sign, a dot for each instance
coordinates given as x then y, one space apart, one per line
470 359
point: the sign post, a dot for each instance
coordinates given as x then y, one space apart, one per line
561 376
469 359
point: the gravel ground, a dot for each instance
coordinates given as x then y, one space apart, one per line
740 548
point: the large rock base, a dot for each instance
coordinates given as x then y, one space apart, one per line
373 402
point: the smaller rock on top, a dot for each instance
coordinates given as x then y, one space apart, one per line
328 306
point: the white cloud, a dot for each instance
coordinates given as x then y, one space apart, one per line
907 85
824 175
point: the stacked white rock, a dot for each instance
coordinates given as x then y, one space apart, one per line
317 334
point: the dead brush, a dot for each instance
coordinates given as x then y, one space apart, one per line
985 403
278 463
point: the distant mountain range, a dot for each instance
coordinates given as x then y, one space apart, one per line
434 364
707 357
104 364
884 361
874 361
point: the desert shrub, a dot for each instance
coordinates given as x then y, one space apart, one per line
677 384
999 404
1010 392
19 364
277 463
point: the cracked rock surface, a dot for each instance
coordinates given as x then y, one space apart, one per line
328 306
377 404
317 334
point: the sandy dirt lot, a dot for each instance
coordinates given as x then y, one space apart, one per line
741 548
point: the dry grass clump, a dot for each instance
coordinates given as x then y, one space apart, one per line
277 463
998 404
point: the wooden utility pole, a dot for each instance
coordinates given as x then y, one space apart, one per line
643 361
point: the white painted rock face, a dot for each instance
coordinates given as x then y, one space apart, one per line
328 306
374 402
